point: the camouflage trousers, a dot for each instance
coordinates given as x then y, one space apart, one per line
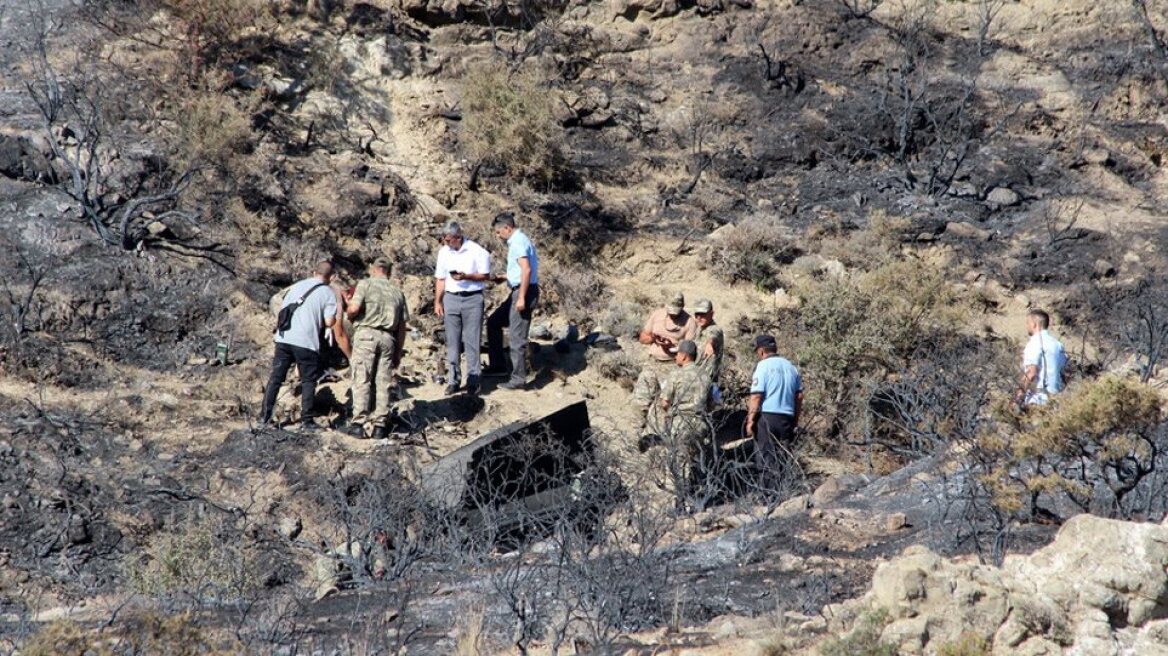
682 438
372 366
648 385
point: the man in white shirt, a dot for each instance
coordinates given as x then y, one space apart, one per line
462 272
1043 361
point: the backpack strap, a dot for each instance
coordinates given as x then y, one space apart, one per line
1042 362
300 301
294 306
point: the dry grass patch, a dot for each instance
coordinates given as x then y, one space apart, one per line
509 121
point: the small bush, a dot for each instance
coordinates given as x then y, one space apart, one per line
63 637
869 247
753 251
863 639
253 227
576 292
1100 436
854 333
205 560
509 121
134 633
969 644
212 129
616 366
622 319
774 646
210 25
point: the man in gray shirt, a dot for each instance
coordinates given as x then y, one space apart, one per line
300 343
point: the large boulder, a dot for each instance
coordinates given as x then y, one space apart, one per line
1098 565
21 160
1101 587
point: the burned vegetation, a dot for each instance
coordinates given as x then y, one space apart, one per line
888 187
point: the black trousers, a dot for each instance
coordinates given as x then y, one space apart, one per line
309 364
774 447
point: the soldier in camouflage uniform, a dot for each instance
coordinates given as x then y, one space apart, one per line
665 328
711 340
679 417
379 314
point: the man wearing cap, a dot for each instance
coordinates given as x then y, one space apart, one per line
665 328
462 271
776 399
679 415
515 313
711 340
379 314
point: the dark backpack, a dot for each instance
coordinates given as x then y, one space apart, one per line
284 319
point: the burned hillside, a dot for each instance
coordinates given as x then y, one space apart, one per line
888 186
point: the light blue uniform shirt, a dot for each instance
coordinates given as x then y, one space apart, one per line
520 246
778 381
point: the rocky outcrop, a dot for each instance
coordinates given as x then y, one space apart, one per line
21 159
1099 588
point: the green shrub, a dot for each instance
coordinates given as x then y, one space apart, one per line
753 251
212 129
773 646
969 644
1099 434
855 333
576 292
204 560
508 121
617 366
622 319
863 639
63 637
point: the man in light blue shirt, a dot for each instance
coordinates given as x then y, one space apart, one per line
1043 362
776 399
515 313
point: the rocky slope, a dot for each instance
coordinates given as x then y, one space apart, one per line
1021 157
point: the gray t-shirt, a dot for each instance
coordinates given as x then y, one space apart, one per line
309 318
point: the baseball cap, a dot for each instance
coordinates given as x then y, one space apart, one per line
765 341
383 262
703 306
688 347
676 303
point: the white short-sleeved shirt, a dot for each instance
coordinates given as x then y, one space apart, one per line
471 258
1046 353
308 321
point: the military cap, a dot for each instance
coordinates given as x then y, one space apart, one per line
676 304
704 306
